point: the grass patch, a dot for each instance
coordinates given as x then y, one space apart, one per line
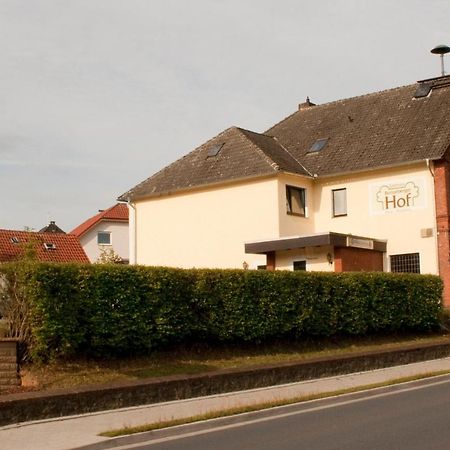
200 359
260 406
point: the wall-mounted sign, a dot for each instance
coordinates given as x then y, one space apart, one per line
359 242
397 196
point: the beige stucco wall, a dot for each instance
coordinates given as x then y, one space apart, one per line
207 228
119 239
291 225
400 226
315 257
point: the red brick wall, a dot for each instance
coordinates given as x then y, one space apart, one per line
442 199
348 259
271 262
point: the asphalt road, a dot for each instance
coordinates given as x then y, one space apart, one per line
409 416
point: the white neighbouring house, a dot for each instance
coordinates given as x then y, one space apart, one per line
356 184
107 230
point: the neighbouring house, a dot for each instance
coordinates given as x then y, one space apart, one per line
106 231
51 228
49 247
355 184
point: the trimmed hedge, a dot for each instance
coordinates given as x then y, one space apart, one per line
108 310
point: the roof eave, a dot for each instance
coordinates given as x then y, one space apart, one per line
372 169
132 198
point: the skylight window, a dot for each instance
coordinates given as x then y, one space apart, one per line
214 150
318 145
49 246
422 90
14 240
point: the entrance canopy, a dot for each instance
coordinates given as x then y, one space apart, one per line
314 240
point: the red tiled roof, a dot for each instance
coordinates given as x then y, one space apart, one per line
66 247
118 212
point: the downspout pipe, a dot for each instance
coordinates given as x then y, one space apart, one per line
132 231
436 232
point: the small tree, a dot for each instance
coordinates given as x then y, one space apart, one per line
108 256
14 306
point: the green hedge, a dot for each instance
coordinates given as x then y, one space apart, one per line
104 310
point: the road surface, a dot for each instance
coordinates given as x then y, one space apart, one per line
408 416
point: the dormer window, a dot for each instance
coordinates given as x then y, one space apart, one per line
49 246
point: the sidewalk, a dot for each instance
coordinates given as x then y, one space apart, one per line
75 431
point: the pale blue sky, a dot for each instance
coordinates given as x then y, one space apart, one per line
97 95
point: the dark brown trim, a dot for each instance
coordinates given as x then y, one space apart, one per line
314 240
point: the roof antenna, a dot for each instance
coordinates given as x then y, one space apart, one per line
441 50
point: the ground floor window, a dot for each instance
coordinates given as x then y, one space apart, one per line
262 267
299 265
407 262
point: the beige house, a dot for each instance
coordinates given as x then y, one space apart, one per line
356 184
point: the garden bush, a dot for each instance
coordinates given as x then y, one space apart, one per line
115 310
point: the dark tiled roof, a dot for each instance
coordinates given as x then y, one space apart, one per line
63 247
118 212
377 130
51 228
244 154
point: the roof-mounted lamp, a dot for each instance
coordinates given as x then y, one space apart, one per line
441 50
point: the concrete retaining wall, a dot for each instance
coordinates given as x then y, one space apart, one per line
23 407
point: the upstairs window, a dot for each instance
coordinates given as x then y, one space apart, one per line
339 202
296 201
104 238
407 262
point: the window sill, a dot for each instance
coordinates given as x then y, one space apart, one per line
295 214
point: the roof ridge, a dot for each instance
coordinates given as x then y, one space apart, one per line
293 157
30 232
254 132
342 100
273 164
274 138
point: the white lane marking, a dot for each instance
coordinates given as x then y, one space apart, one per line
283 415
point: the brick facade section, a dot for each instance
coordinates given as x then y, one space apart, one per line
271 261
442 200
348 259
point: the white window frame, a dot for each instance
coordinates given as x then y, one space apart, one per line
333 200
104 233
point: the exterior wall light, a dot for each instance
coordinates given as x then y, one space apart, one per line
330 258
